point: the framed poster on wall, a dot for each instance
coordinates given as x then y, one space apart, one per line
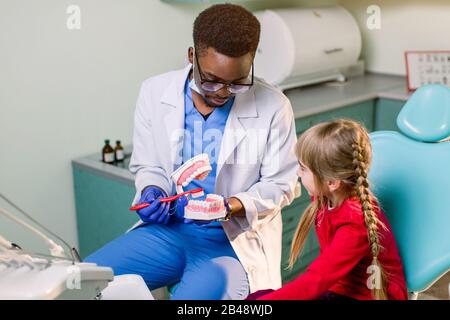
426 67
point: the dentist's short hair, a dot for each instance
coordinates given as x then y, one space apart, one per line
230 29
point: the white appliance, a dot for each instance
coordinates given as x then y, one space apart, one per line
30 276
24 277
305 46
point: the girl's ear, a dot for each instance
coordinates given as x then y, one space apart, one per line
333 185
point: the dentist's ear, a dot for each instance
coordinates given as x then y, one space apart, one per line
333 185
191 55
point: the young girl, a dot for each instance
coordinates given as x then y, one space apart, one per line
358 254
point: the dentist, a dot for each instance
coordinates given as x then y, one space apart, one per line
214 106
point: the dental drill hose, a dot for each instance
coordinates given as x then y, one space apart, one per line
55 249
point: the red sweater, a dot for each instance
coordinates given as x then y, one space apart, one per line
344 257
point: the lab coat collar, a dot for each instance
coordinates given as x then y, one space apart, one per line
173 97
174 93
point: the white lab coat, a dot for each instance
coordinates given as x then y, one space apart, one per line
263 187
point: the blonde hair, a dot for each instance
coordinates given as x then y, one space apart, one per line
339 150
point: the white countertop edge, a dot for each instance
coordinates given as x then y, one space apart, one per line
106 170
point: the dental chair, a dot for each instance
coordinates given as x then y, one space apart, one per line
410 175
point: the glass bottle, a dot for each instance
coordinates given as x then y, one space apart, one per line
118 152
108 153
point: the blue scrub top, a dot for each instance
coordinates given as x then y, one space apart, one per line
204 136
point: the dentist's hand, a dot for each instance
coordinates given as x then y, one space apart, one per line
156 212
177 208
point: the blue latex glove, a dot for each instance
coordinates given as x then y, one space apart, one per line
177 208
156 212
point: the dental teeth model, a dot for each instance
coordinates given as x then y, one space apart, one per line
198 168
212 208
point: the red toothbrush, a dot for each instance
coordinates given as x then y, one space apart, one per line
194 192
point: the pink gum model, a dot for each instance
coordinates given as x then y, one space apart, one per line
196 168
210 209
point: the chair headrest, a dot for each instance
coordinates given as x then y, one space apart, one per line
426 115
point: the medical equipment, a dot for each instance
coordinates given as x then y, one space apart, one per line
304 46
55 250
25 275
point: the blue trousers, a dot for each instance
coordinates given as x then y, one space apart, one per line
199 258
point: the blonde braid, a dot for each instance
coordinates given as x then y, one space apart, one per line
371 220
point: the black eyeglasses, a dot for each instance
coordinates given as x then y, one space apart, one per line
213 86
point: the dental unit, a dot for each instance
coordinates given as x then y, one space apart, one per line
26 275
